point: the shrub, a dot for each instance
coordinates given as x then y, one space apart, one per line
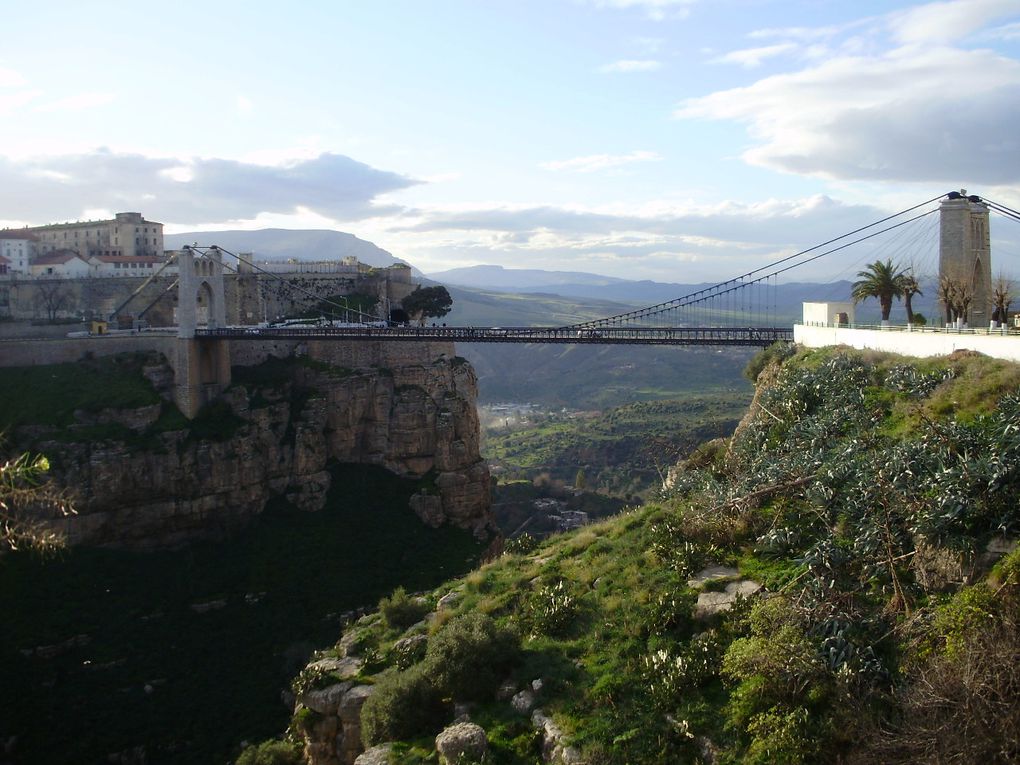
672 673
305 719
670 610
775 353
470 656
401 611
404 705
521 545
779 736
409 651
270 753
552 610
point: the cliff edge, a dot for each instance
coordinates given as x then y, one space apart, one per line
142 476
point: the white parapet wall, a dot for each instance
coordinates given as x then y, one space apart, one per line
919 342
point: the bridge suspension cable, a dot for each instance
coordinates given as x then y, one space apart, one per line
1006 212
764 273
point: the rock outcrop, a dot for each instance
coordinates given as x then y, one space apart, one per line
412 413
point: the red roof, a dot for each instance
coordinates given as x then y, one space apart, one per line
13 233
54 258
129 259
4 260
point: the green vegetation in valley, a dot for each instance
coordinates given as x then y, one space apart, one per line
859 499
623 451
136 659
601 377
480 308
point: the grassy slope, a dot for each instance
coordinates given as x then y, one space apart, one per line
605 615
216 676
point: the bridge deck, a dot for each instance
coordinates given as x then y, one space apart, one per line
733 336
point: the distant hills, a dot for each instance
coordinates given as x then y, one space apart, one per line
594 287
282 243
520 279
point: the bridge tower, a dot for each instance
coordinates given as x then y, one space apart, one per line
965 251
203 364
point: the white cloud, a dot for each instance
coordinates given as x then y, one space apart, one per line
627 66
944 22
805 34
910 114
77 102
194 189
753 57
1005 32
595 162
243 103
648 239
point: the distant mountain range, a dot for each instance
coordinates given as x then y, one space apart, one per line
586 288
282 243
519 279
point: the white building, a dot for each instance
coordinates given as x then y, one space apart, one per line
62 264
126 234
125 265
18 247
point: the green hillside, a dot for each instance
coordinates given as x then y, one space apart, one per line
870 497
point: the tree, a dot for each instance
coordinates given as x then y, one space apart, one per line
53 296
880 281
957 297
1002 295
580 480
428 301
947 296
909 287
23 501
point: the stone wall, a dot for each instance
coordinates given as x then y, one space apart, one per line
919 343
250 298
39 351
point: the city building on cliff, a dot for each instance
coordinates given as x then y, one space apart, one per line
126 234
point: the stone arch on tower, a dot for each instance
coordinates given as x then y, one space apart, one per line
200 285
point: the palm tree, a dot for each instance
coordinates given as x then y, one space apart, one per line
909 287
881 281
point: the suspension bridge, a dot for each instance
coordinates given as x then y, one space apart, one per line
740 311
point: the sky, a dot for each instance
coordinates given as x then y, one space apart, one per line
674 140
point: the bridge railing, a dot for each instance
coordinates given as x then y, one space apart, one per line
740 336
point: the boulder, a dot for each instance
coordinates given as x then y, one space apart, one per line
523 702
463 740
325 701
377 755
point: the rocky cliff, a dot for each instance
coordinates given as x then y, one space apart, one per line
149 480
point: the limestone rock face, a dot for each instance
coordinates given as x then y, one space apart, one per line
410 411
335 737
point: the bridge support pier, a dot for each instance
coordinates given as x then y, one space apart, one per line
201 371
202 367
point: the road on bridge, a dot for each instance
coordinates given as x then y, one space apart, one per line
719 336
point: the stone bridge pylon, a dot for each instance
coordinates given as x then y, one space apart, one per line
203 364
